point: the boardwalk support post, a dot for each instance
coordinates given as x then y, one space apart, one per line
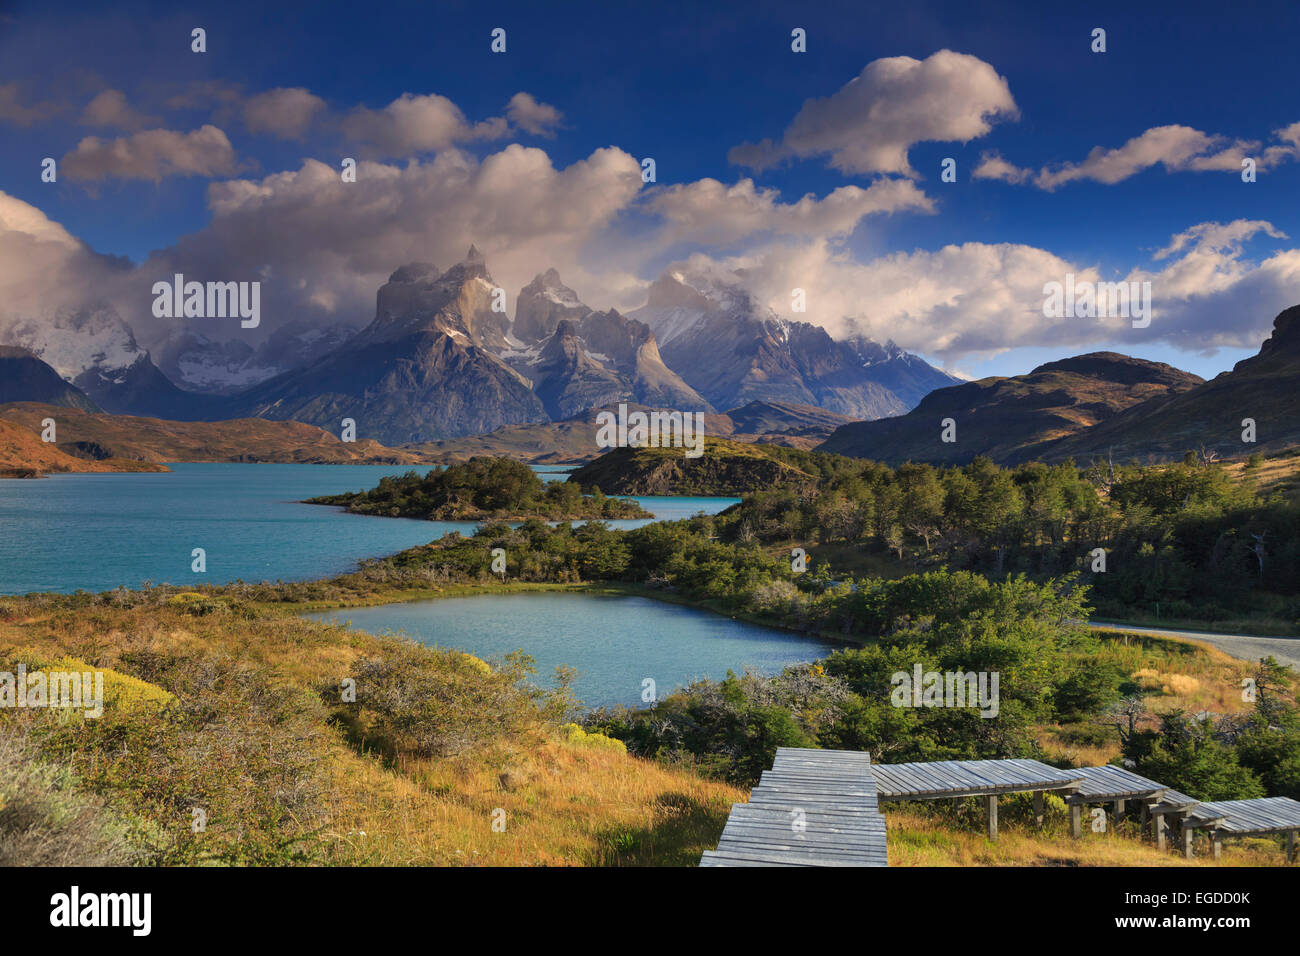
1038 808
1215 843
1145 816
992 803
1290 846
1076 820
1188 833
1160 831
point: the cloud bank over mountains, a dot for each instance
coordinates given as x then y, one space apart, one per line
430 181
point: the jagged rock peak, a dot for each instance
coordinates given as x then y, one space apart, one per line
414 272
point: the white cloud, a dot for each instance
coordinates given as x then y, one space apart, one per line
151 155
13 111
993 166
43 266
416 124
540 119
286 112
708 211
1218 239
1176 148
110 109
974 300
872 121
322 247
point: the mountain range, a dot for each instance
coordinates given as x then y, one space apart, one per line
734 350
1100 405
441 367
441 360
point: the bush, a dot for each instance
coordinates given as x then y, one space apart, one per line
45 820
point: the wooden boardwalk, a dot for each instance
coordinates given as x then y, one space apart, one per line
1261 815
1109 782
813 808
951 779
968 778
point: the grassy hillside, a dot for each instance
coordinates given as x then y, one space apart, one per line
479 489
97 436
951 834
236 711
573 441
726 468
1017 418
1262 388
24 455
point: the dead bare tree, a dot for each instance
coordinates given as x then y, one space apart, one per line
1258 549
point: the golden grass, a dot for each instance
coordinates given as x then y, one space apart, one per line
1177 674
566 798
919 836
558 804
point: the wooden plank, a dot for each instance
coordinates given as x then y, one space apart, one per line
813 808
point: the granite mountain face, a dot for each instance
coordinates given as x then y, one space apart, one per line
426 367
93 349
440 359
578 358
734 350
25 378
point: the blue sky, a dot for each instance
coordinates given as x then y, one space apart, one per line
687 83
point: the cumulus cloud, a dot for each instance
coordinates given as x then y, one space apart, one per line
993 166
322 247
43 266
151 155
978 299
869 125
13 111
708 211
416 124
1176 148
110 109
540 119
286 112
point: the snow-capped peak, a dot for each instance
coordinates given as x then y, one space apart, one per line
73 341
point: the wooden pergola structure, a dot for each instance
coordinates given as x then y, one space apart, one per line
954 779
1116 786
1261 816
1188 812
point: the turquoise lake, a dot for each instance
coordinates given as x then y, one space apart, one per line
614 642
100 531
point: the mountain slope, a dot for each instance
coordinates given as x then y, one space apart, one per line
725 468
100 436
578 358
24 455
1017 418
574 439
25 378
97 352
1265 387
908 376
732 350
424 369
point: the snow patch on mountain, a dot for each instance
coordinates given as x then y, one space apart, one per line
73 341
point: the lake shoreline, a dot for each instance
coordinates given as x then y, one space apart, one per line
399 596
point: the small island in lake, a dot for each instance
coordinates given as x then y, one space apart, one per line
481 489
